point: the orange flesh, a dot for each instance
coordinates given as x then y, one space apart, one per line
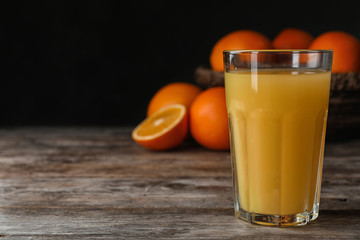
159 122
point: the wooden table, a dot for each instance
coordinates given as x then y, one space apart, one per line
96 183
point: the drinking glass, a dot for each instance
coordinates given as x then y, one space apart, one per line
277 103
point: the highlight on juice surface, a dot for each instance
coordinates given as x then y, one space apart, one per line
277 105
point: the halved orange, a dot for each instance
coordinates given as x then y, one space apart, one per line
164 129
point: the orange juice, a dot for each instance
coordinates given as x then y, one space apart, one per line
278 122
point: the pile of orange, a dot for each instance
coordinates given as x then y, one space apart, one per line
180 109
346 47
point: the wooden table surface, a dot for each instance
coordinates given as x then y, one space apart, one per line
96 183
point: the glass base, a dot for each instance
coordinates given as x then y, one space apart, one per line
278 220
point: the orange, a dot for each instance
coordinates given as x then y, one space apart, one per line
209 120
177 92
292 38
164 129
346 50
240 39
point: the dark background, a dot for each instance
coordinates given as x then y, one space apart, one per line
99 62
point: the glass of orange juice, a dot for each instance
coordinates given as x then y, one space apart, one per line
277 103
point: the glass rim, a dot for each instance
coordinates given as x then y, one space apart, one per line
304 51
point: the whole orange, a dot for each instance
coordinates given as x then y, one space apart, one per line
173 93
209 120
346 50
240 39
292 38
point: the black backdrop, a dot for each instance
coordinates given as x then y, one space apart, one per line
99 62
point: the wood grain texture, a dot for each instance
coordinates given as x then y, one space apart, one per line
95 183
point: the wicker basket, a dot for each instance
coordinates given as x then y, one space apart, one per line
344 104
